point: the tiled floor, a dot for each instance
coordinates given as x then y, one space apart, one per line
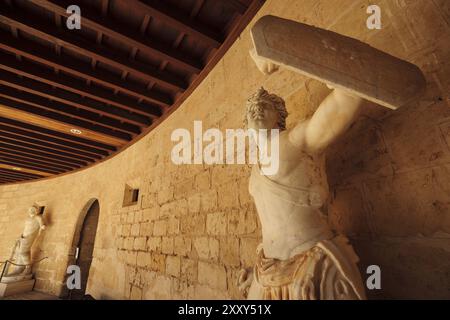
33 295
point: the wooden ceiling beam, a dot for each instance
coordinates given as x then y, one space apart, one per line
65 139
19 173
105 5
52 140
48 57
11 93
2 182
27 138
4 179
11 176
179 21
196 9
53 80
238 6
112 29
134 111
11 179
34 161
30 166
36 157
69 40
32 150
44 121
15 174
76 122
12 139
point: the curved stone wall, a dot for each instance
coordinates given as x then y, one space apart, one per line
194 226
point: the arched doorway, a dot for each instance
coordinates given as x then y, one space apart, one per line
83 244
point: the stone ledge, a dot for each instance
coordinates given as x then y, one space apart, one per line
9 289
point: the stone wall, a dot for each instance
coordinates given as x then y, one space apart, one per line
195 226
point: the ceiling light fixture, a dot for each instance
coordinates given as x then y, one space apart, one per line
17 169
76 131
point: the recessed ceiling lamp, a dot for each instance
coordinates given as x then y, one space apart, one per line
76 131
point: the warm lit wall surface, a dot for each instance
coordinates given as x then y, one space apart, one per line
195 226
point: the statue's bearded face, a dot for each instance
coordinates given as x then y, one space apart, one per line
262 115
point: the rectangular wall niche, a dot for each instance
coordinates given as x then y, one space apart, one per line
130 196
41 210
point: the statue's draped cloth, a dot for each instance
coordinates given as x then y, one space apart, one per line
323 267
325 272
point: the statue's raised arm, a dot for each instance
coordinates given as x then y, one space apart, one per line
300 256
333 117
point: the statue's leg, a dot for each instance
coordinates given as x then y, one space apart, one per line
256 291
26 260
16 270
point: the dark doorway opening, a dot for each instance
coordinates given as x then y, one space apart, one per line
85 240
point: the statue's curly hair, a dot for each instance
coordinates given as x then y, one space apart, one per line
262 96
37 207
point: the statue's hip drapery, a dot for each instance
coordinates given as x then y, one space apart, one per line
325 272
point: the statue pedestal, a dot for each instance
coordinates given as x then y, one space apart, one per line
16 287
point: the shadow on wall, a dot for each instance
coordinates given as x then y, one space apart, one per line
389 181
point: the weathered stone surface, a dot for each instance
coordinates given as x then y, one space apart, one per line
167 245
140 243
395 169
143 259
18 287
206 248
212 275
216 223
154 244
182 245
189 270
229 251
338 60
173 265
160 228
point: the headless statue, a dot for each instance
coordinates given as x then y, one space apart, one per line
300 257
22 253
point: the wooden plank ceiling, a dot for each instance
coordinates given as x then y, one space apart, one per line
71 98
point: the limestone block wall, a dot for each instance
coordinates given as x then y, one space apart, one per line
195 226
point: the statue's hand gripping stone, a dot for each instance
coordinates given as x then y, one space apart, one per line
342 62
300 256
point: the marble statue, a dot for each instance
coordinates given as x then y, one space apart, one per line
34 224
300 256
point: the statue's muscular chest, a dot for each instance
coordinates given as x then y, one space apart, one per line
31 226
297 168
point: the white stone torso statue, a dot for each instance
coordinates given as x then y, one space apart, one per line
299 189
300 256
22 252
